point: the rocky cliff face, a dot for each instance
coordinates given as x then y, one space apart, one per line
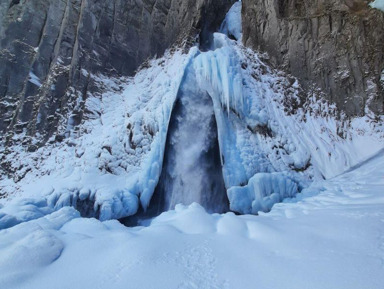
50 48
334 45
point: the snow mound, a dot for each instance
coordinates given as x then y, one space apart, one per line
31 246
23 211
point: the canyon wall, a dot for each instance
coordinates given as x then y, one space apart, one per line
336 46
49 49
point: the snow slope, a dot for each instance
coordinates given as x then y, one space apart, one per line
330 236
113 162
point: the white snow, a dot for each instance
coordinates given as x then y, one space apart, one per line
330 236
379 4
116 160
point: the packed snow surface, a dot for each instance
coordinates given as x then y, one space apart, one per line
330 236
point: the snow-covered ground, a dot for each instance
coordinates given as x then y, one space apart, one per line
330 236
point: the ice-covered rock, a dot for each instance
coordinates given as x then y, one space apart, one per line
378 4
231 25
261 193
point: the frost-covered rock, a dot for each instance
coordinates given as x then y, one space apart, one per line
113 164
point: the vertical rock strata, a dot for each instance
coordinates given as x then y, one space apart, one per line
50 48
334 45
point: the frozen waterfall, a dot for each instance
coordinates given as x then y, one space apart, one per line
192 168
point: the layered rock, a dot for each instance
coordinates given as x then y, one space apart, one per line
49 49
334 45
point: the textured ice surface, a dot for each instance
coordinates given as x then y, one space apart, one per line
261 193
231 25
192 166
34 79
379 4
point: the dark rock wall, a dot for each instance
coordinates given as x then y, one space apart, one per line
335 45
49 48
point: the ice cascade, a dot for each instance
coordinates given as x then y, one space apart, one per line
192 169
